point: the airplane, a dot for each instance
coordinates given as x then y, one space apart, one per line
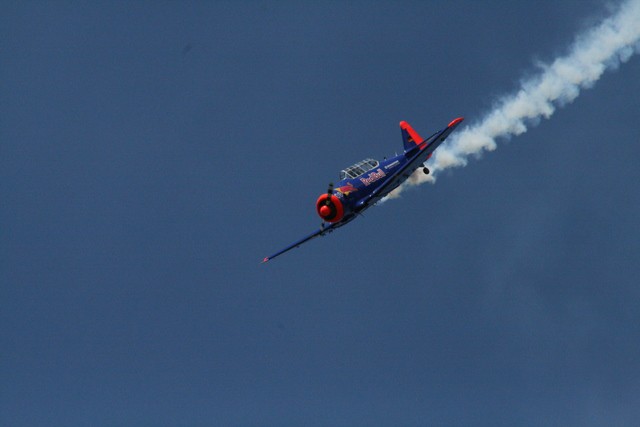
365 183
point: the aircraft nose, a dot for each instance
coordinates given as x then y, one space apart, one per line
325 211
329 208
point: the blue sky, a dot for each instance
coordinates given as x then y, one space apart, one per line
151 154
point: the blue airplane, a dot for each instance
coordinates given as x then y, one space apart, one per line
365 183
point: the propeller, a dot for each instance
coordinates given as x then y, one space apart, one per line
329 206
327 201
325 210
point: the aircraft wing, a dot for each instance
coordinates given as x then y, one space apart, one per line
425 149
320 232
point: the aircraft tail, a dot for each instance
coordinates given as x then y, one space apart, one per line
409 136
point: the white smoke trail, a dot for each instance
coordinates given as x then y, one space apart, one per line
604 47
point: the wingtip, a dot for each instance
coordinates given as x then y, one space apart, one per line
265 260
455 121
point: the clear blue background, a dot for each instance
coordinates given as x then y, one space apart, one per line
152 153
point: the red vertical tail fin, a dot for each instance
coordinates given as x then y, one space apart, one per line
410 137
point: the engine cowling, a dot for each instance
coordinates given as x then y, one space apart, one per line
330 208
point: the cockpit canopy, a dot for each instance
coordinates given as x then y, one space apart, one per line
359 168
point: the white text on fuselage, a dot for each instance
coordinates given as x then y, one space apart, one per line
392 165
373 177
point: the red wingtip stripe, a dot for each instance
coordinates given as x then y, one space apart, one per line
456 121
265 259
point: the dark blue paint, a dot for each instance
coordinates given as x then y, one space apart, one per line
378 182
